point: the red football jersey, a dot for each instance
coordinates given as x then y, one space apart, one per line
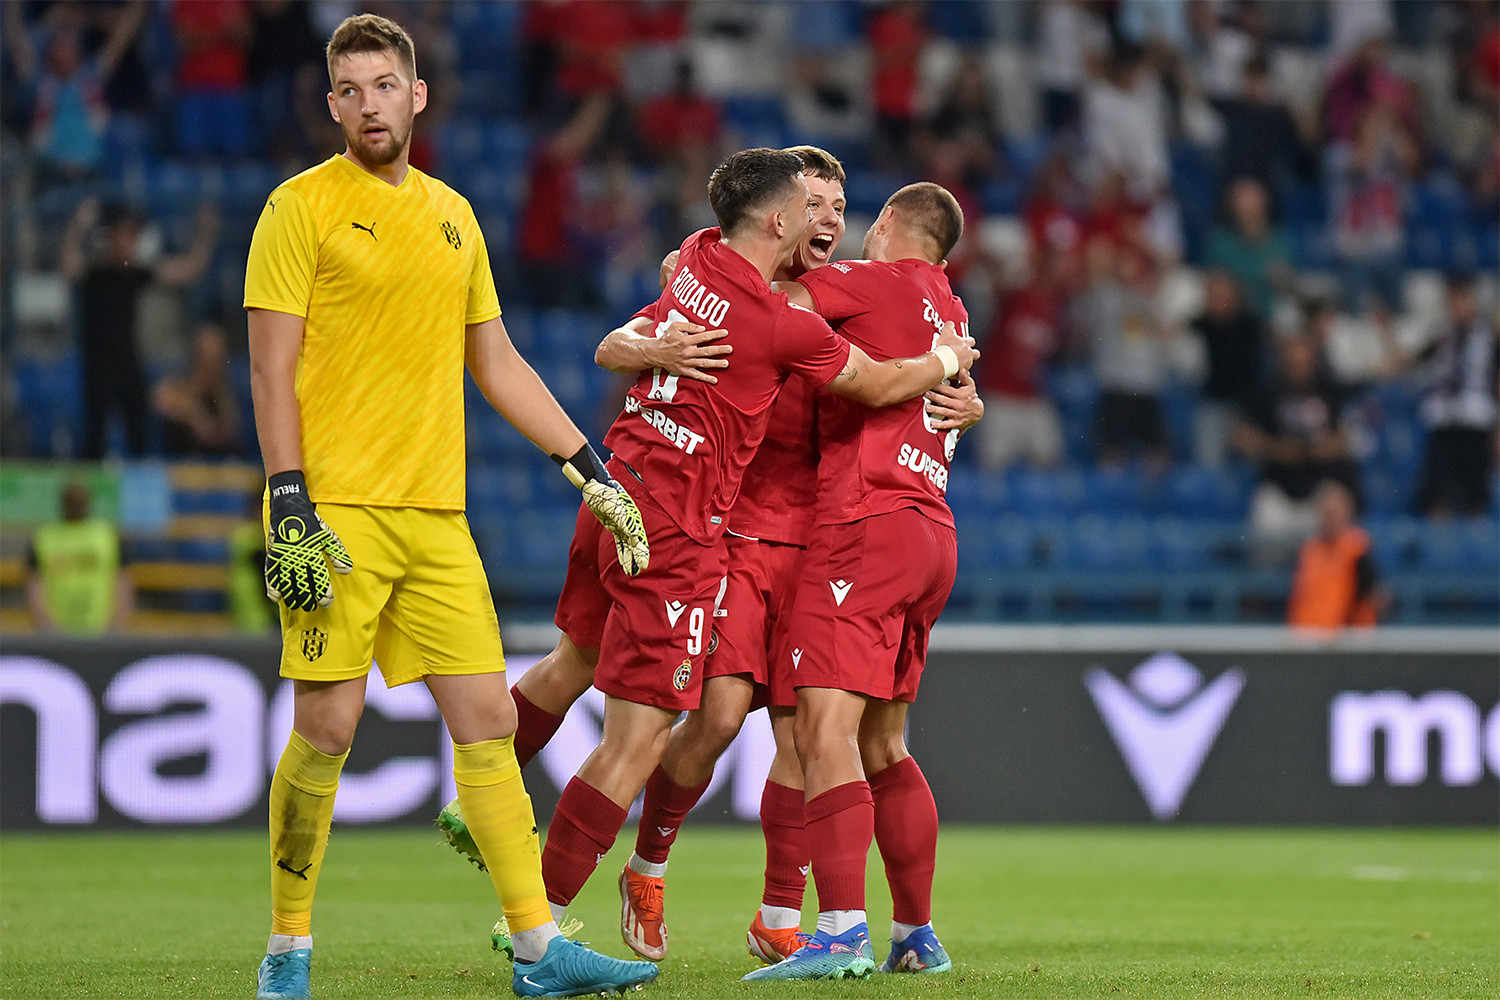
779 492
875 461
690 441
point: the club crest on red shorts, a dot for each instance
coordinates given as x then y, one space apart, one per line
683 675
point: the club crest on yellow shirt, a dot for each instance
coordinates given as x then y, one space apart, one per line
450 233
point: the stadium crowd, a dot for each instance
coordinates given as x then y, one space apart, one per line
1216 252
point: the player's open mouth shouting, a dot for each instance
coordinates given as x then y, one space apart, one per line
820 247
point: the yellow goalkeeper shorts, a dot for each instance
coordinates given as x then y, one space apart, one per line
416 603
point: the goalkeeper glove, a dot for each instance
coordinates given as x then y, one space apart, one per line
611 505
300 547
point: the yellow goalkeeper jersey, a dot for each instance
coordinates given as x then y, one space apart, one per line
386 279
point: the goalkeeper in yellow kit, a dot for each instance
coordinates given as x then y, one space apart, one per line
369 291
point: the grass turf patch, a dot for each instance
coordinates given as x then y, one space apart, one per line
1024 912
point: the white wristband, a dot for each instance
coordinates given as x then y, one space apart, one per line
949 357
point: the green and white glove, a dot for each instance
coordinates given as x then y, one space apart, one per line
611 505
300 547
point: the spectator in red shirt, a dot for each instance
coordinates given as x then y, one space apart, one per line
897 36
551 268
1027 332
1366 80
213 97
1054 219
680 121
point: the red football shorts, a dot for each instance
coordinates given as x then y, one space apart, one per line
757 596
870 593
652 631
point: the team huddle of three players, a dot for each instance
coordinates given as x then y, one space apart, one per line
805 540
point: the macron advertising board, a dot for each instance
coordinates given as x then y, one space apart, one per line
1232 726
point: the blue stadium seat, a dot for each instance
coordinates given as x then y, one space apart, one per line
973 491
1109 543
1175 545
1115 490
1396 542
1194 491
1005 195
49 397
1011 543
1470 545
1051 539
760 118
1045 492
1025 153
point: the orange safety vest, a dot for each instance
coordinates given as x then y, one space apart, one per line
1325 591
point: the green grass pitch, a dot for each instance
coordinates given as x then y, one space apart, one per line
1025 912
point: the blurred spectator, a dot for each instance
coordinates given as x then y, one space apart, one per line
249 607
287 68
552 269
1261 138
1234 346
77 584
1336 584
213 96
1128 347
1462 369
110 279
1072 40
1363 82
965 117
69 110
1125 145
1352 24
1367 189
199 413
1294 430
682 126
616 206
592 37
1125 125
1027 333
1225 41
1469 135
1055 219
1257 254
897 35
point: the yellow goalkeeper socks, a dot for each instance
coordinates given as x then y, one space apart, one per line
497 811
302 791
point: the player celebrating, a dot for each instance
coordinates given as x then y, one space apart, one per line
768 531
766 538
877 574
369 290
684 445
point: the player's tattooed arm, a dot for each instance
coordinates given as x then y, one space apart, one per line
678 348
955 407
882 383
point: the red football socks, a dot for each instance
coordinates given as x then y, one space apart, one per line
840 825
906 831
581 832
787 858
666 805
534 727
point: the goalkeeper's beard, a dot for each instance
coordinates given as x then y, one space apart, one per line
378 152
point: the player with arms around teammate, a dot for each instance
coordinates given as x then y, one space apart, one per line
766 536
683 445
877 574
369 291
768 533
